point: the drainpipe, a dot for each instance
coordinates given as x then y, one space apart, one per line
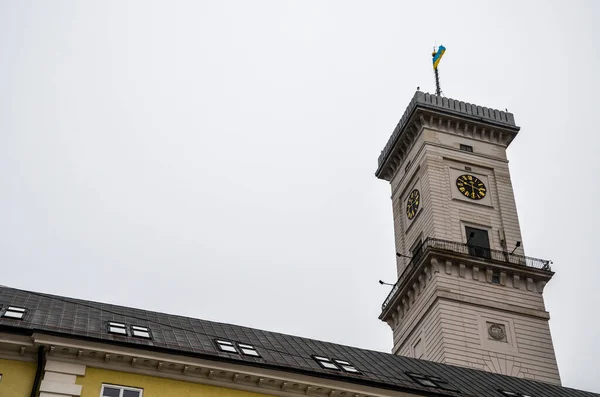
38 372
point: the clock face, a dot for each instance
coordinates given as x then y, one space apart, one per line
471 187
412 204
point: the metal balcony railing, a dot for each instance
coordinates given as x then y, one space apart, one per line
467 250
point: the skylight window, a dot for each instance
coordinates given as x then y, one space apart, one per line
430 381
14 312
248 350
346 366
326 363
140 332
226 346
117 328
513 394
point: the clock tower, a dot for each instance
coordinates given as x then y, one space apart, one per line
466 293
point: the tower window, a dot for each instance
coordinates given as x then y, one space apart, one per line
117 328
14 312
478 242
248 350
495 277
466 148
140 332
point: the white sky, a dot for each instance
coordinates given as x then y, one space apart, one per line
216 159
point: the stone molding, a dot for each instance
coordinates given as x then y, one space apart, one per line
83 354
448 115
481 271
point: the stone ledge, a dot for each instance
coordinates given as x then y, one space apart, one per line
65 368
60 388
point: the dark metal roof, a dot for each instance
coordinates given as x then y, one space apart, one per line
86 319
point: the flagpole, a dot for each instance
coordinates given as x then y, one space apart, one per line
436 57
438 90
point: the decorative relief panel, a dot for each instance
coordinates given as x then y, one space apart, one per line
496 331
497 334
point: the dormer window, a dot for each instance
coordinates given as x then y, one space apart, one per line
140 332
117 328
14 312
226 346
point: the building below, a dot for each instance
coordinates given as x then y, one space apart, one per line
53 346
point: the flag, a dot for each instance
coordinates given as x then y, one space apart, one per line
437 56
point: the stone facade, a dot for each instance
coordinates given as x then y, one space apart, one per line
444 304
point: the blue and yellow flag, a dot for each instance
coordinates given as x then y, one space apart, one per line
437 56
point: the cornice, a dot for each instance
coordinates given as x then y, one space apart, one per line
481 270
196 370
448 115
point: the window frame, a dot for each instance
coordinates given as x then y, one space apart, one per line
224 342
117 325
431 381
466 148
346 366
496 277
244 348
513 394
478 251
121 389
14 311
324 361
141 328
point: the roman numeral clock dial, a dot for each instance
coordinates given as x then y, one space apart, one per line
412 204
471 187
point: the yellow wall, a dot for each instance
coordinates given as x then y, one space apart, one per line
153 386
17 378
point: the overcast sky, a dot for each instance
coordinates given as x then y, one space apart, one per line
216 159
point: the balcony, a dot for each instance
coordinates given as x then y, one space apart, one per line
480 253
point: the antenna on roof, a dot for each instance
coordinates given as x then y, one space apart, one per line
437 56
